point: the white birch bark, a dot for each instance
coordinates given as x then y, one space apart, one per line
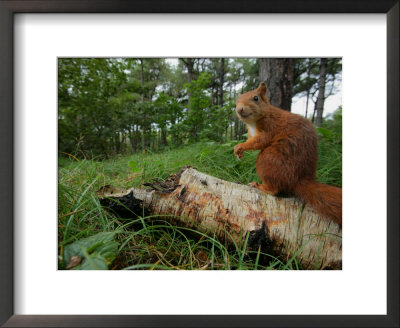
212 205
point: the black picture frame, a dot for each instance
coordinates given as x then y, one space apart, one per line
7 197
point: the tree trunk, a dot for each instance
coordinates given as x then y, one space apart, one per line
308 85
164 137
221 82
143 109
319 105
132 141
236 124
278 226
117 143
212 96
189 63
278 74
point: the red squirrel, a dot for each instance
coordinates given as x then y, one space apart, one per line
287 162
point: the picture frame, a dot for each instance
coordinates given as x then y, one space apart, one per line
8 199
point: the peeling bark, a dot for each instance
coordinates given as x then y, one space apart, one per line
280 226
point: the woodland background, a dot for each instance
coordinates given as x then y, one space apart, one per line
125 121
110 106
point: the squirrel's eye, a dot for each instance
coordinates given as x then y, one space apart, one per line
255 98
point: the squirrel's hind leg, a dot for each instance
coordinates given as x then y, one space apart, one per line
265 188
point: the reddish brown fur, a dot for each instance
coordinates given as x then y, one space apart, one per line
287 161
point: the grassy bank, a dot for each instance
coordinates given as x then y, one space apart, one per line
99 240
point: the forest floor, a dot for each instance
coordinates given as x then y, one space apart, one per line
91 238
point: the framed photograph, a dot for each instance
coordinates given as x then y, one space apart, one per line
40 39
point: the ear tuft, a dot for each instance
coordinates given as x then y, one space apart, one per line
262 88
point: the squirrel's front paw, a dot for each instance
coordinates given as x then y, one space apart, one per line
238 151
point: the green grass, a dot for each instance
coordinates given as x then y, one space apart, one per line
156 244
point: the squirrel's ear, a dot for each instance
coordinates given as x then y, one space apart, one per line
262 88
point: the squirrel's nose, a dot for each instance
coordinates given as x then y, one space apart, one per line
241 110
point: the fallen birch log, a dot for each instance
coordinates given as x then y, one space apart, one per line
276 225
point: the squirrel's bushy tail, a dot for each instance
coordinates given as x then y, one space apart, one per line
326 200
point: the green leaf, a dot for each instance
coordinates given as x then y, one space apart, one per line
92 262
96 252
